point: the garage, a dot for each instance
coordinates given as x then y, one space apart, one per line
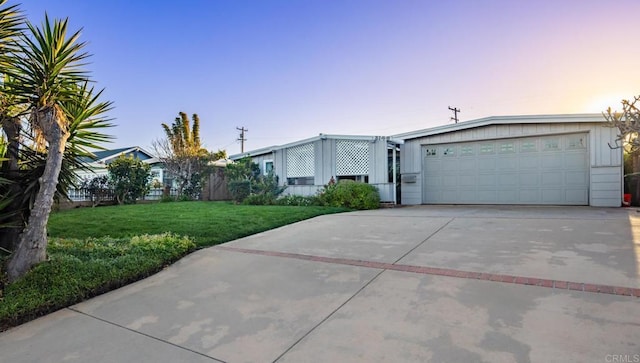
567 159
552 169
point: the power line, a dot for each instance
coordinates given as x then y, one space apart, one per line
242 139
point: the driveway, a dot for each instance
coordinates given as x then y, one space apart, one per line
412 284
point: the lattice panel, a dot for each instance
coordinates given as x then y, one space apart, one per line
300 161
352 157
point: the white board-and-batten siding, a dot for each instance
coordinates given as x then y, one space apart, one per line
324 164
605 169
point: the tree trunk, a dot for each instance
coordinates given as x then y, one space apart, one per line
32 247
11 168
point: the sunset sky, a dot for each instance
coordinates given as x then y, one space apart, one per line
288 70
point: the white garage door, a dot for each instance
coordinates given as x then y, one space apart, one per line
533 170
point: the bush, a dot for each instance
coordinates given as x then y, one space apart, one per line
350 194
298 200
260 199
239 190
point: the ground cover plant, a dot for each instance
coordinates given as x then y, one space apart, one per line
94 250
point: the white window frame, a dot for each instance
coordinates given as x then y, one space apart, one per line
264 166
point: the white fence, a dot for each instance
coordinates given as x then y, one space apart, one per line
83 195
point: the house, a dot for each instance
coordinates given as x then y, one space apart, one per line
307 165
98 167
544 159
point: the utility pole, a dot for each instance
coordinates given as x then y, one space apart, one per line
455 114
242 139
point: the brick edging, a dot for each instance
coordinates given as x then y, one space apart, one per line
437 271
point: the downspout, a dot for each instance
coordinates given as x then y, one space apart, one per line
395 185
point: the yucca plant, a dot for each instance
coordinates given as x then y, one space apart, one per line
47 75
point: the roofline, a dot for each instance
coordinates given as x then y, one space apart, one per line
126 151
501 120
270 149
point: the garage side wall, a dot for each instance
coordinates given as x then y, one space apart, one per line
606 169
605 177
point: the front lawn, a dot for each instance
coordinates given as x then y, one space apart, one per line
207 223
94 250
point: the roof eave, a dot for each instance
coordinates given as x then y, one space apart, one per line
501 120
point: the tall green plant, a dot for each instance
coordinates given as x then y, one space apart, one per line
130 179
47 76
183 155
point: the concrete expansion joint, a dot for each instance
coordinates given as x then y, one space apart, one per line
447 272
144 334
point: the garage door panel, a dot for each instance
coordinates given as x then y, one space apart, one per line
486 164
486 196
467 165
530 170
467 182
451 195
449 181
508 180
551 161
432 182
487 180
552 178
468 196
527 196
577 196
529 179
507 163
507 196
551 196
530 161
576 178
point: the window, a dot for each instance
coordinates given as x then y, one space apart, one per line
486 149
507 147
267 167
527 146
575 142
449 151
431 152
309 180
358 178
551 144
466 150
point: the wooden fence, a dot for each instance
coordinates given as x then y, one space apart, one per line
215 187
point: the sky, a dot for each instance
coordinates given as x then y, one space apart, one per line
290 69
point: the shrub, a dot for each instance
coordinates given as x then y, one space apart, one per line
245 180
239 190
130 178
297 200
350 194
260 199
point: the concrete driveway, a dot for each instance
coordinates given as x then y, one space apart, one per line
413 284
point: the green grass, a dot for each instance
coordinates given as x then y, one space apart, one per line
207 223
94 250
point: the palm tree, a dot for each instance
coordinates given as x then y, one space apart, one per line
49 78
183 155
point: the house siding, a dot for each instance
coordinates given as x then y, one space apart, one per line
324 164
605 163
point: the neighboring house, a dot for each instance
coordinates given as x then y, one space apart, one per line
307 165
98 167
546 159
